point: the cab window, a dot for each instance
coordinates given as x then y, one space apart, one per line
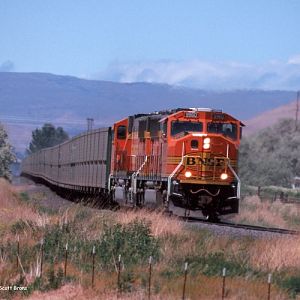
226 129
121 132
185 126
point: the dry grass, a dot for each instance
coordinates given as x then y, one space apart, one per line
160 224
177 243
77 292
268 255
210 288
267 213
276 254
13 210
197 288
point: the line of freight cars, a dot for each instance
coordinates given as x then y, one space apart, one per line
81 164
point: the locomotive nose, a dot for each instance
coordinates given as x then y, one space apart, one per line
204 159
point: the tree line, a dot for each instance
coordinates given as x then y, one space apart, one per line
271 156
47 136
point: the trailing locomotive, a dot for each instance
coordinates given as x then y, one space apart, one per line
184 157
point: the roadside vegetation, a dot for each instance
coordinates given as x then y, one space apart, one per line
271 157
255 210
135 235
7 157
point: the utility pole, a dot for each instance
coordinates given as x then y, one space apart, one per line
297 110
90 122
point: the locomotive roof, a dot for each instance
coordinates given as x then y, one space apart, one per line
175 110
164 113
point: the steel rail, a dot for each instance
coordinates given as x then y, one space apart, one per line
242 226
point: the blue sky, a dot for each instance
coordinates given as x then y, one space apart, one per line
209 44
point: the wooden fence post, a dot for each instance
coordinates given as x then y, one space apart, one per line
93 268
66 260
150 275
119 273
184 282
269 285
18 251
42 257
223 285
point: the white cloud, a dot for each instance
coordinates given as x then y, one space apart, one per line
209 75
294 60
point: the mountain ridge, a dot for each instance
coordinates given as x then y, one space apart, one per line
29 99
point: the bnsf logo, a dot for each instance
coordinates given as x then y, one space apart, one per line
197 160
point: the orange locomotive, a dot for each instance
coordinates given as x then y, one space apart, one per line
184 157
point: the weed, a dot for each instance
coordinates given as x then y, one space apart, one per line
292 284
24 197
22 226
82 215
55 280
127 281
18 227
209 265
47 210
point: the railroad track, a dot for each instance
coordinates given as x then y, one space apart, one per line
221 223
243 226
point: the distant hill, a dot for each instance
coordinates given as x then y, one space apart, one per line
269 118
27 100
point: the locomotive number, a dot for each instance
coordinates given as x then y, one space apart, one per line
197 160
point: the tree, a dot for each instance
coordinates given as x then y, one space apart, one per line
47 136
271 157
7 157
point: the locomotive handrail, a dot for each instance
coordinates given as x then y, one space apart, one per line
174 172
238 192
141 167
135 174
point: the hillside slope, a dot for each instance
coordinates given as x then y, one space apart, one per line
271 117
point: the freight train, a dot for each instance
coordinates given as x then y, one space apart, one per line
185 158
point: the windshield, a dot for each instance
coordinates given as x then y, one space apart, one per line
185 126
227 129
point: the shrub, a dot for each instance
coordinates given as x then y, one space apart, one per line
132 241
292 284
24 196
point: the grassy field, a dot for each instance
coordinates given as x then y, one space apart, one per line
135 235
254 210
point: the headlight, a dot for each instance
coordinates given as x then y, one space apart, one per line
206 143
224 176
187 174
